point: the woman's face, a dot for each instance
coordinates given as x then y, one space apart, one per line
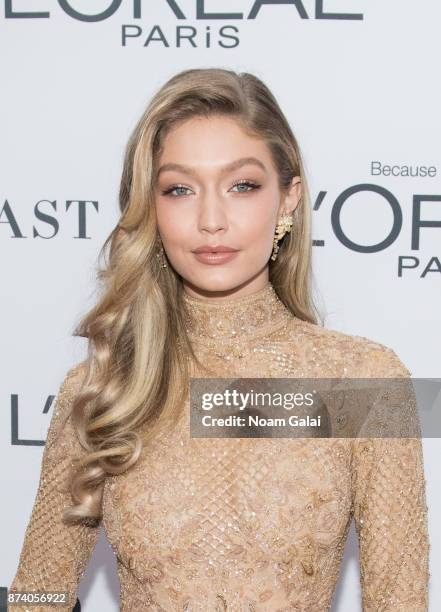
217 186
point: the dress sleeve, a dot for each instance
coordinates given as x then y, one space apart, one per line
54 555
390 511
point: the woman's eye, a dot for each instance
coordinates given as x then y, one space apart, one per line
248 185
175 188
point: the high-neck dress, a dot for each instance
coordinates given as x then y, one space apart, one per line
243 524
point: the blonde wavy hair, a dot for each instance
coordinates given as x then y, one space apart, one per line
138 349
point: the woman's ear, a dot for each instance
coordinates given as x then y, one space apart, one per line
291 197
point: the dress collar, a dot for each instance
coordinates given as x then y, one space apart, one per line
226 319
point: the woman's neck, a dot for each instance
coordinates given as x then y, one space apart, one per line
230 318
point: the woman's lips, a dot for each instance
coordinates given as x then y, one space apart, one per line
213 258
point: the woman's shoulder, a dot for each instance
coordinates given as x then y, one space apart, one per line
60 420
359 355
77 372
72 379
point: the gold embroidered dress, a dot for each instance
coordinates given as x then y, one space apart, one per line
241 524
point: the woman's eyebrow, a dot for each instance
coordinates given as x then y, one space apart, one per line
234 165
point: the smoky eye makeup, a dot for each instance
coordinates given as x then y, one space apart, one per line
249 185
241 186
175 187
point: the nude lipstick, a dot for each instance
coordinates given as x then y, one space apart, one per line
214 255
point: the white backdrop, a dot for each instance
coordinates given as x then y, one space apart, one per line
359 83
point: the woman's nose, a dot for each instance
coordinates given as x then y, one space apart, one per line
211 212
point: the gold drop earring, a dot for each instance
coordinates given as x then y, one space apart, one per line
284 225
160 255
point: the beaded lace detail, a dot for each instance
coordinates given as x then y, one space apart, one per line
225 326
245 525
239 318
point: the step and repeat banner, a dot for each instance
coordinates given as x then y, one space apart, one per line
359 83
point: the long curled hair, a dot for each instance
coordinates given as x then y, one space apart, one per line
136 372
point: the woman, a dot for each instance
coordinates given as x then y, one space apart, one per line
218 524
